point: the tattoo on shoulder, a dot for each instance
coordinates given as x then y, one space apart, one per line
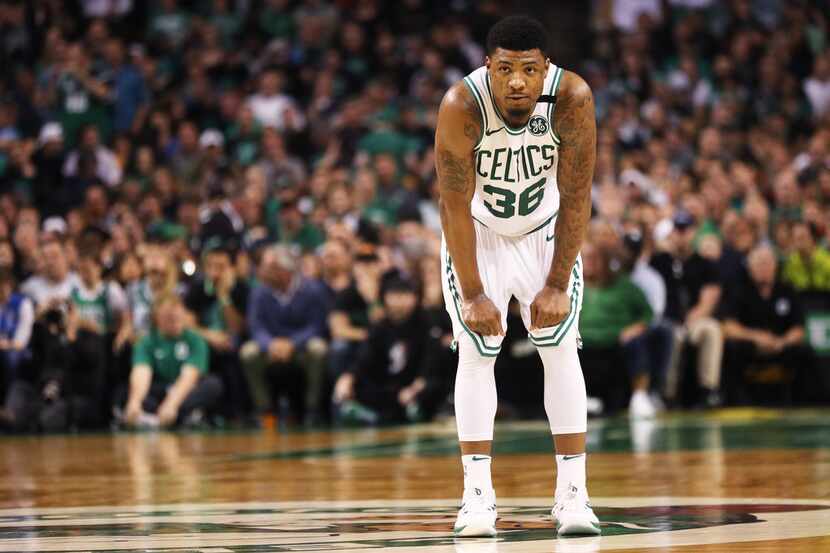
453 171
573 117
575 123
472 127
470 131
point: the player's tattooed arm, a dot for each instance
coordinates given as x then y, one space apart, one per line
453 149
575 123
458 128
456 135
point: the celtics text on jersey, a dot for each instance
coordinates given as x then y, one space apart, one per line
516 189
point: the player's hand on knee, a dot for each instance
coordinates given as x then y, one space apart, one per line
482 316
549 308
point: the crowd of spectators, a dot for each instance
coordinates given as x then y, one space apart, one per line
215 209
711 195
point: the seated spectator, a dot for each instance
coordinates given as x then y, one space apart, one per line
17 315
100 311
693 293
160 277
615 316
659 336
739 239
392 379
218 302
169 383
287 318
808 267
763 323
101 305
353 310
335 267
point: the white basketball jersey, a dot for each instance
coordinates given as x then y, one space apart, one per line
516 191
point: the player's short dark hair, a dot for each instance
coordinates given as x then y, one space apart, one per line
518 32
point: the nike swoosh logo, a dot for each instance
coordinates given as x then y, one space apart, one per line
489 132
549 238
569 457
479 458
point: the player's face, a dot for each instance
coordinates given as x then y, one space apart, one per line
517 79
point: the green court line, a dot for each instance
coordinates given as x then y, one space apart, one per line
677 432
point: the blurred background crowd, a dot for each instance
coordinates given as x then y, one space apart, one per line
219 212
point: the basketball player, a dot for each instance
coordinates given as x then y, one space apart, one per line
515 150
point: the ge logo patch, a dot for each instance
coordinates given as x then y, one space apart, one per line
538 125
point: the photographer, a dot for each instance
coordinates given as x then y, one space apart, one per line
51 286
65 384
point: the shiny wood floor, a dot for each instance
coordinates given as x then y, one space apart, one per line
737 481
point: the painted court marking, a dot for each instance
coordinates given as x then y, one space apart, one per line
405 526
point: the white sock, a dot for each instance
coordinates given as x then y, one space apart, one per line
477 472
570 471
639 393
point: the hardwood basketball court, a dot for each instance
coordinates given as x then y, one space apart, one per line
734 480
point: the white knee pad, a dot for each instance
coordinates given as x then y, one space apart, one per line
565 398
475 393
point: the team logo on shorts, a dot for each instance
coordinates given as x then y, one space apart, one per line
538 125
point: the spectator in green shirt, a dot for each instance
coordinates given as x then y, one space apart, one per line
169 383
808 267
613 323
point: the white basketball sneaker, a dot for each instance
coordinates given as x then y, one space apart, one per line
641 406
477 516
573 515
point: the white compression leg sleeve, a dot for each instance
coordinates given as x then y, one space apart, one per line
565 398
475 393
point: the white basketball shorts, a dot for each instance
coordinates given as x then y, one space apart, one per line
513 267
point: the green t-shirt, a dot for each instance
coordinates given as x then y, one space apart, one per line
607 311
167 355
79 107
